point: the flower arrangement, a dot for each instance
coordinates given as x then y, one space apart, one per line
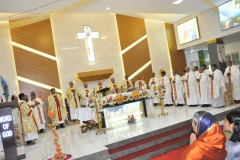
135 94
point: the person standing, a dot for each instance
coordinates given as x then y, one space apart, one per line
73 101
217 87
140 84
127 84
205 70
196 72
177 88
202 88
153 85
231 75
114 87
37 107
56 104
165 83
28 120
85 94
190 85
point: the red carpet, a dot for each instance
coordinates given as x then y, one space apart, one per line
172 155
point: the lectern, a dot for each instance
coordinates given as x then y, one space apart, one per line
7 131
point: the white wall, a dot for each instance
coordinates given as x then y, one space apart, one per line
7 63
157 42
209 28
190 57
72 61
232 47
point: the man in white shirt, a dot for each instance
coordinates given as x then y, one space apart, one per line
165 82
153 85
231 75
190 85
196 72
37 107
202 88
178 91
217 87
85 94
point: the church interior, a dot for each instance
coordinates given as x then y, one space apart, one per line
117 80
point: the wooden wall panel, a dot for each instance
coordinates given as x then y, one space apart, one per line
36 35
178 59
136 57
130 29
36 68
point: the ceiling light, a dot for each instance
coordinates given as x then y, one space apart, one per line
107 8
177 1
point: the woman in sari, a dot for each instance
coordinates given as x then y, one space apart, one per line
208 141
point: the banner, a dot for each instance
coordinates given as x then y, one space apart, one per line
221 53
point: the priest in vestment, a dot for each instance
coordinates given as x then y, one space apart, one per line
205 70
196 72
28 121
165 82
217 87
153 85
99 87
56 104
37 107
73 101
190 85
126 84
202 88
177 88
114 87
140 84
85 93
231 75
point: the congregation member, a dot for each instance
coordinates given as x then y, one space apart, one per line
190 85
140 84
165 83
114 87
37 107
100 86
202 88
153 85
232 125
73 101
85 93
231 75
217 87
208 140
28 120
127 84
56 104
177 89
205 70
195 70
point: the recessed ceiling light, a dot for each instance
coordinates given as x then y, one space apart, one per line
107 8
177 1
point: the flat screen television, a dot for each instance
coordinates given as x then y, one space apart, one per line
188 31
229 14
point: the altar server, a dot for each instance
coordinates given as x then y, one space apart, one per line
140 84
99 87
165 82
28 120
153 85
202 88
85 93
196 72
114 87
37 107
217 87
126 84
73 101
56 104
190 85
231 75
178 90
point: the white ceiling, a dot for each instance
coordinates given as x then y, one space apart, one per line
159 10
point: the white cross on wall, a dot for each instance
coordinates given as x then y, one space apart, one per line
88 35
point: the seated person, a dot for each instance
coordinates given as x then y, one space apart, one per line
114 87
232 125
208 141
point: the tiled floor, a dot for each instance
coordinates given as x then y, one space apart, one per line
78 144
